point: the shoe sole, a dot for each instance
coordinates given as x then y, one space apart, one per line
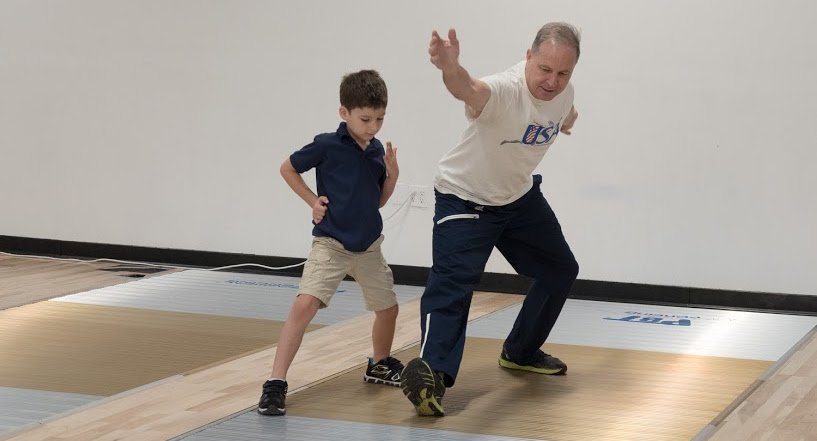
375 380
418 383
274 411
507 364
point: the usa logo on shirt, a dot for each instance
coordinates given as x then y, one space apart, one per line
536 134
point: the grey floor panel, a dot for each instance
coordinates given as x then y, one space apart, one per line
692 331
229 294
21 407
251 426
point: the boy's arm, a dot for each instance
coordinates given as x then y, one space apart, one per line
298 185
392 171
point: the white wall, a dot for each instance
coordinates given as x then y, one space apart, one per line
163 123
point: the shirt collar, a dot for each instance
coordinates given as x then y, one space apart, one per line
343 132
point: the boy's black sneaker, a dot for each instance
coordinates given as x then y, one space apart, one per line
423 387
273 398
386 371
541 363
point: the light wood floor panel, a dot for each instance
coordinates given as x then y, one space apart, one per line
188 402
27 280
608 394
782 408
103 350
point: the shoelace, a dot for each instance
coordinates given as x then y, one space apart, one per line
393 364
541 354
275 387
538 356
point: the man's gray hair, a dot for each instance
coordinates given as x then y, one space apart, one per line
559 32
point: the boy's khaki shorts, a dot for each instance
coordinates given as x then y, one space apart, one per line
329 263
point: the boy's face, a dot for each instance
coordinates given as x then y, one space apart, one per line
363 122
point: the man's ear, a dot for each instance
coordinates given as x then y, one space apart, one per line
343 112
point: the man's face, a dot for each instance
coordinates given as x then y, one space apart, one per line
549 68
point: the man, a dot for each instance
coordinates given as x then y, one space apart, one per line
486 197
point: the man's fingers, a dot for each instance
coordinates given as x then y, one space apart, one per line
452 36
435 43
435 40
440 49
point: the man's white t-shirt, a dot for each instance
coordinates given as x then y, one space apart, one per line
500 149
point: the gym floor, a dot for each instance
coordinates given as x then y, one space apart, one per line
181 354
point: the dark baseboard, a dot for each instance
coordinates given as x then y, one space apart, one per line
695 297
416 275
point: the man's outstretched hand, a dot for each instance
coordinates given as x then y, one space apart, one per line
444 53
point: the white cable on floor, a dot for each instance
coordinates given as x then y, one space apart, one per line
68 259
257 265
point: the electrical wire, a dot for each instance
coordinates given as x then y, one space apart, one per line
405 203
128 262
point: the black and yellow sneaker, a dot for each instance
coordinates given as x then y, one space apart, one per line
386 371
423 387
541 363
273 398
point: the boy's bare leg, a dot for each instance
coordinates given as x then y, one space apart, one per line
383 332
292 333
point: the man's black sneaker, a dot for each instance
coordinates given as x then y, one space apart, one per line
273 398
386 371
541 363
423 387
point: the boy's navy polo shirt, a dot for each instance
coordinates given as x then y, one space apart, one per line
352 179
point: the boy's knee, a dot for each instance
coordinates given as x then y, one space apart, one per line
306 304
390 312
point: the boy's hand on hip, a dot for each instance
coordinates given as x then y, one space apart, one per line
319 209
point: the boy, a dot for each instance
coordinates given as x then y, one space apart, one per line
355 177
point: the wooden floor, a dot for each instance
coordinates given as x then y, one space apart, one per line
104 350
24 281
608 395
782 406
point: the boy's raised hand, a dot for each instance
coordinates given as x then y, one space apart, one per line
444 53
392 170
319 209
